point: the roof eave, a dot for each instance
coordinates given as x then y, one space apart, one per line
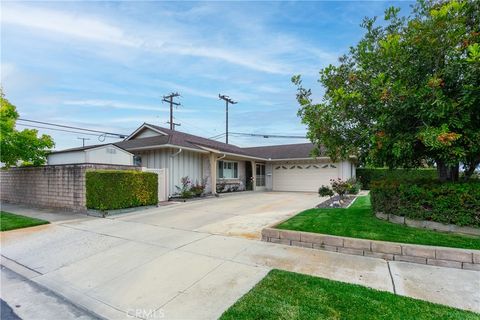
143 126
164 146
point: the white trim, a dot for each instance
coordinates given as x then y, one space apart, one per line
143 126
233 169
296 159
163 146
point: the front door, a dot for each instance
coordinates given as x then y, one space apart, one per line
260 176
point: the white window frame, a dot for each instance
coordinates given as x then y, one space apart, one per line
225 164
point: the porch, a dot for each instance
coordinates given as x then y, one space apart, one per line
234 173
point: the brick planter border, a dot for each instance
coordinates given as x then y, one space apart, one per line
431 225
437 256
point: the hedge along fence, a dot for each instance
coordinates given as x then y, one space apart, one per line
366 176
448 202
112 189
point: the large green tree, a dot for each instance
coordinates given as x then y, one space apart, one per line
407 93
25 145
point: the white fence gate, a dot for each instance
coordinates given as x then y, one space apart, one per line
162 182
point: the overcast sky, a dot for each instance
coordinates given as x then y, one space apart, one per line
106 65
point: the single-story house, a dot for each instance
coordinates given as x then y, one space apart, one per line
100 153
226 167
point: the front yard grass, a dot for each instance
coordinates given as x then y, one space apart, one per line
10 221
287 295
358 221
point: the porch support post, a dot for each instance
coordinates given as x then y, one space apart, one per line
254 175
213 172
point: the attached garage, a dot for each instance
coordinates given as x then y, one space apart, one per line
303 177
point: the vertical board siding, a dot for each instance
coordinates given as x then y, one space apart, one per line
187 163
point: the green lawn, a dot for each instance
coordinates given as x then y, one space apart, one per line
287 295
358 221
10 221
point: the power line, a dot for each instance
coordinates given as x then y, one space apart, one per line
122 136
69 131
194 126
227 101
218 136
83 140
169 100
267 135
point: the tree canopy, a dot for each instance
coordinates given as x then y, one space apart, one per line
23 145
407 93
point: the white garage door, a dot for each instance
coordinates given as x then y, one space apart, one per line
303 177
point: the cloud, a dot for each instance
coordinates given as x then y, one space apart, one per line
109 104
266 52
185 89
88 28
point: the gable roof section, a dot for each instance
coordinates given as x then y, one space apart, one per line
285 151
170 138
180 139
143 126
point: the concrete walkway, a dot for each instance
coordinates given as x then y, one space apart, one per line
24 299
192 261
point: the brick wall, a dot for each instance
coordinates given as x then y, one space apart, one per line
58 186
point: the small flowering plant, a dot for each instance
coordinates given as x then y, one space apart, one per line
184 190
340 186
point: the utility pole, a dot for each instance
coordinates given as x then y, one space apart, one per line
83 140
169 100
227 101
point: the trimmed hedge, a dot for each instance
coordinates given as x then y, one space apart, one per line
119 189
448 202
366 176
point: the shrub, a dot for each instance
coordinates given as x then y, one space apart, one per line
366 176
447 202
184 190
199 187
354 186
325 191
118 189
339 186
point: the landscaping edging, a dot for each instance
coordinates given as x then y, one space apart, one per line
113 212
437 256
424 224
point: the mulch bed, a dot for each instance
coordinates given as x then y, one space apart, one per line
334 202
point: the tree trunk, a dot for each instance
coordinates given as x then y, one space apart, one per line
470 167
447 172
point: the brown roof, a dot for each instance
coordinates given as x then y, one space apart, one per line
284 151
182 139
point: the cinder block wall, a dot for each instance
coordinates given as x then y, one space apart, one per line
57 186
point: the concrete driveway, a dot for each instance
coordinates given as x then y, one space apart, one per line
241 215
193 260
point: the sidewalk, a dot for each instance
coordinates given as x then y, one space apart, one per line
24 299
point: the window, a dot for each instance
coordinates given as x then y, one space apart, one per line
137 160
227 170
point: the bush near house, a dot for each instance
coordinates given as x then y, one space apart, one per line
366 175
118 189
447 202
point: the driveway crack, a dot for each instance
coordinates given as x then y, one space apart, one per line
391 278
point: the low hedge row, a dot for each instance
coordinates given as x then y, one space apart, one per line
448 202
119 189
366 176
